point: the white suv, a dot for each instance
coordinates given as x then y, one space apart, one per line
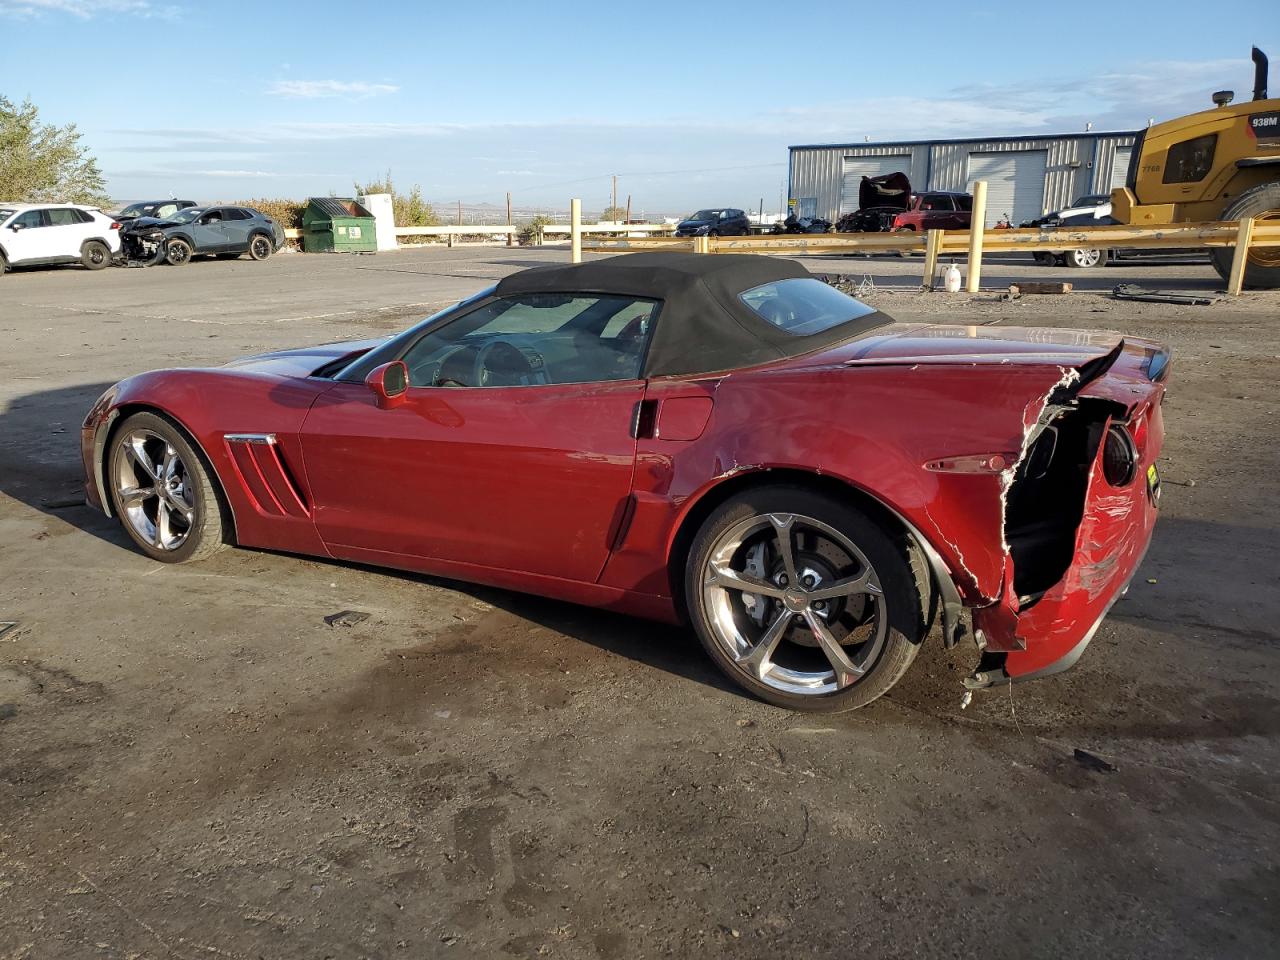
40 233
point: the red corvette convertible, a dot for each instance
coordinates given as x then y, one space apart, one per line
722 440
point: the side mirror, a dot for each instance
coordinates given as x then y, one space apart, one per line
388 384
15 227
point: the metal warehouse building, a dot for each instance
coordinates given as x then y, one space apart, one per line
1027 177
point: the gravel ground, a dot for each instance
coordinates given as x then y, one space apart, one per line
193 764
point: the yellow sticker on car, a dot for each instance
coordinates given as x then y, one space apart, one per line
1153 484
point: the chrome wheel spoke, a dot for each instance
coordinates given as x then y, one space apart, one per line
844 669
757 658
135 449
164 531
864 582
180 507
722 575
133 496
782 528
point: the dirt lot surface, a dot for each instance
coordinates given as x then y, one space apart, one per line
193 764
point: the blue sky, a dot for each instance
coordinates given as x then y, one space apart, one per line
690 103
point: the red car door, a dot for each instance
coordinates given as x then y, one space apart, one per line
518 478
488 460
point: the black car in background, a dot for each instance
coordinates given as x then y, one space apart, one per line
715 222
224 232
159 209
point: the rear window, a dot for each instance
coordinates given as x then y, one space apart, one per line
803 306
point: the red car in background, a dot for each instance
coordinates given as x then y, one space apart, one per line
725 441
886 203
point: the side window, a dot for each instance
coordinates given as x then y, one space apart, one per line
165 210
936 201
30 220
534 339
63 217
235 213
1191 160
212 216
965 203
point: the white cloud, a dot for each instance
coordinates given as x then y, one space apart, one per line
320 89
85 9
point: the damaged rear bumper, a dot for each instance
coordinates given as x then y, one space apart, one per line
1035 633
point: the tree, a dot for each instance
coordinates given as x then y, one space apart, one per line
42 163
409 208
613 214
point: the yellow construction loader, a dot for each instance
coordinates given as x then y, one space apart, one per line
1220 164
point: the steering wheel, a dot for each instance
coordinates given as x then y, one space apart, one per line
501 364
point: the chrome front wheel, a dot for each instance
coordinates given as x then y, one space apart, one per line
162 491
804 600
153 487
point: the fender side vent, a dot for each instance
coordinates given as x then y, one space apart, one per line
266 476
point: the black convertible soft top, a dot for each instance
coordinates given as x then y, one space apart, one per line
703 326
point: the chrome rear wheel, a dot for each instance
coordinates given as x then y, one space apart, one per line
804 600
795 603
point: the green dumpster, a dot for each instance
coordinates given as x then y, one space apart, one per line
337 225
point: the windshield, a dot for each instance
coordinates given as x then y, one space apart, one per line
803 306
188 215
136 210
1092 200
705 215
6 214
394 347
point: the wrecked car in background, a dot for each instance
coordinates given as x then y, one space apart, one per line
224 232
160 209
886 203
725 441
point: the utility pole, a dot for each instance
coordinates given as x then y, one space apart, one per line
459 213
628 208
614 203
509 220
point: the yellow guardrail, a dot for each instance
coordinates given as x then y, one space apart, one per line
1240 235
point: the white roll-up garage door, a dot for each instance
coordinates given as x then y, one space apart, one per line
1120 168
1015 183
855 168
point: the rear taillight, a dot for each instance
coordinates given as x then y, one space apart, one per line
1119 457
115 226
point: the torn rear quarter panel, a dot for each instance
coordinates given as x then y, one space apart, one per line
880 423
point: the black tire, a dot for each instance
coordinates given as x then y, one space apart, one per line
897 563
1044 259
178 252
4 264
713 233
260 246
1084 258
206 532
1262 271
95 255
